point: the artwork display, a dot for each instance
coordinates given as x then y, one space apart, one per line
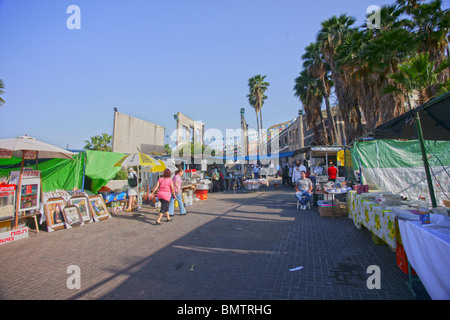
30 190
82 202
72 216
98 208
54 213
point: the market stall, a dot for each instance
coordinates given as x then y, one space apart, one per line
319 157
365 210
330 206
428 248
407 157
28 182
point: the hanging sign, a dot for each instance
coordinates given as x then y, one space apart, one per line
29 154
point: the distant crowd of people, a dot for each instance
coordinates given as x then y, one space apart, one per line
168 189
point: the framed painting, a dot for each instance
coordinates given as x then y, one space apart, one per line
72 216
98 208
82 202
54 216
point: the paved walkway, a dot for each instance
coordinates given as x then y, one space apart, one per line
231 246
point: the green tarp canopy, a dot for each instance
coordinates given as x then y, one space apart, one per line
427 129
66 174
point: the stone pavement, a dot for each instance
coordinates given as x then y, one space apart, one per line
229 247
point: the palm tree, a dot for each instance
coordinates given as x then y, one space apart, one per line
167 149
307 90
2 86
418 74
367 56
256 97
100 143
313 61
334 30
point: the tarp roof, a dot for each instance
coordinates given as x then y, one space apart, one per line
434 117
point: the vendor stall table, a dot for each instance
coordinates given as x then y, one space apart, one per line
331 195
375 218
428 251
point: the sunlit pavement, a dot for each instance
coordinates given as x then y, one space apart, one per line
231 246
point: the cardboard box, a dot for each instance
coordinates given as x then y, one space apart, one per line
329 211
447 203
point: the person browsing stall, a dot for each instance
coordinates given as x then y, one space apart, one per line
165 191
132 189
177 186
303 188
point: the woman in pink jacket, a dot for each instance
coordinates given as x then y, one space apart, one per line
165 192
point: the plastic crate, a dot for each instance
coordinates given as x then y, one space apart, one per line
402 260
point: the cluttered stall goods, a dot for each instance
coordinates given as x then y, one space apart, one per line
51 194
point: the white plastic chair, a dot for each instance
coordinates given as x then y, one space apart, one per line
308 204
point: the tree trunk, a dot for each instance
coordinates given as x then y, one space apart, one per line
262 131
331 123
257 140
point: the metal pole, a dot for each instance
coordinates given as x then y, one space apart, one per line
418 127
84 170
19 188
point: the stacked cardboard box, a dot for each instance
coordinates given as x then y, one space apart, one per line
326 209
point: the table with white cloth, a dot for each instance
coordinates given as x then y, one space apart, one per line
254 184
428 250
377 219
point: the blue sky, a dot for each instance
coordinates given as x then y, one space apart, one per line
152 59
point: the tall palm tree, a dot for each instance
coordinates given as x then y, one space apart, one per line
257 86
2 86
333 31
307 90
367 56
313 61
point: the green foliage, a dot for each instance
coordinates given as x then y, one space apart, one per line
101 142
121 175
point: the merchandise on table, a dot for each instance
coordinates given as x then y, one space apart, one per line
254 184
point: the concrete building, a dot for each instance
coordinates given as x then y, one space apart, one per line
132 134
188 130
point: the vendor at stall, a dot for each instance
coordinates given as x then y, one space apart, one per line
255 171
332 172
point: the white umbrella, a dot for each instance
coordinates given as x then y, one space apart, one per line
25 143
19 145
